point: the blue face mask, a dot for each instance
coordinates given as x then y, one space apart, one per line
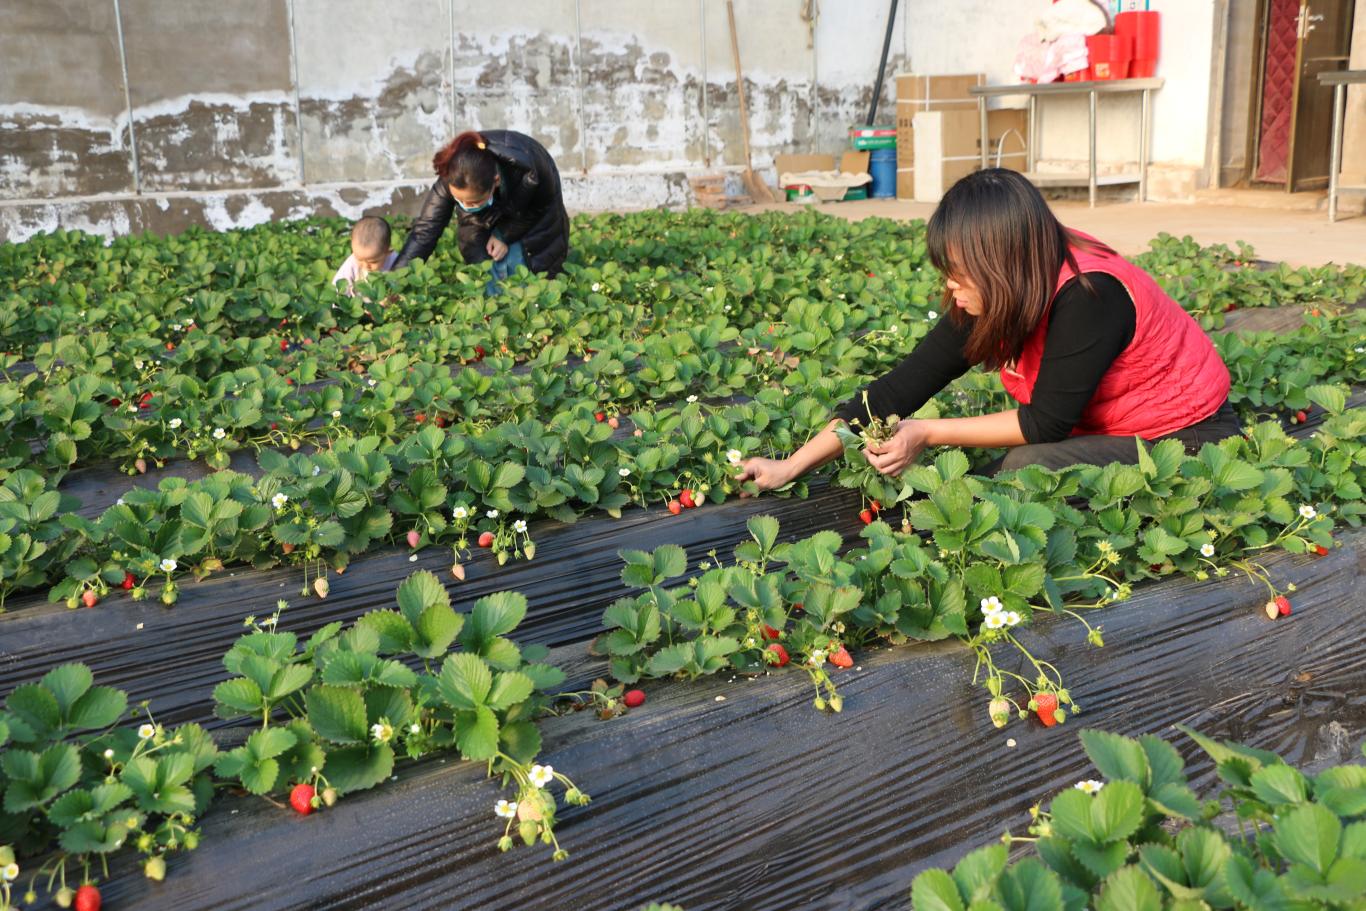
479 208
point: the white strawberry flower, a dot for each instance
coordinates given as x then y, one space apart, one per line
10 872
317 470
381 732
893 329
146 732
624 472
995 620
133 409
597 286
492 513
414 728
175 423
1206 550
1012 618
372 383
279 500
930 314
119 501
460 512
817 658
168 565
691 399
108 754
137 365
1307 511
506 808
992 605
336 414
734 456
519 526
219 433
542 775
1089 786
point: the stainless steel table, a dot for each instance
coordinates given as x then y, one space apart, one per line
1093 91
1339 81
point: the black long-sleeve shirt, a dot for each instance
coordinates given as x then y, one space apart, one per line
1086 332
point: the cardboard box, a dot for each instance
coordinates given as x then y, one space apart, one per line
916 93
945 151
851 162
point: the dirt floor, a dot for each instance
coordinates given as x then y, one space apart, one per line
1297 237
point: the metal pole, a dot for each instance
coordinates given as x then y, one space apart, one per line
1339 110
1145 150
706 103
982 124
578 90
294 69
128 102
450 21
1092 175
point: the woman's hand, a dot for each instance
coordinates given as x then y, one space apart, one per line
892 457
768 474
496 248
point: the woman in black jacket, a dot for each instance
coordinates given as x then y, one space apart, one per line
504 190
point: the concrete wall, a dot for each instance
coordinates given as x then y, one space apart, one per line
123 115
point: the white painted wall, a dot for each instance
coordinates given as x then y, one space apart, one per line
965 36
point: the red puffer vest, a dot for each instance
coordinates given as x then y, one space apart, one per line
1170 376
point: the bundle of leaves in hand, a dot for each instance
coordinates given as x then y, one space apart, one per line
1140 839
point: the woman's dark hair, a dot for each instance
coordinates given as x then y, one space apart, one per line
466 163
994 230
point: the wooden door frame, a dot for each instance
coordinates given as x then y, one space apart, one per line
1295 97
1261 26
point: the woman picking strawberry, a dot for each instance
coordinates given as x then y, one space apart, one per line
1087 343
504 189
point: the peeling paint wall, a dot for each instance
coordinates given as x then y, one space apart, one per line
129 115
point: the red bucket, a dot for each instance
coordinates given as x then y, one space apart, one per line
1110 56
1144 28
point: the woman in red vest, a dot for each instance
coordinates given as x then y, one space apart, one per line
1087 343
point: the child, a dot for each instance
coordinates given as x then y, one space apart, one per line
369 252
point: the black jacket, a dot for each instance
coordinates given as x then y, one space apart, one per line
528 206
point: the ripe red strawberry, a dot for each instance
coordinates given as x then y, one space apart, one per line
613 422
419 417
114 403
770 632
840 657
146 397
780 653
1045 704
799 607
301 799
87 898
128 581
89 598
600 416
1320 550
287 547
675 507
1283 605
875 506
479 349
440 421
866 516
274 425
414 538
486 539
284 345
1301 417
634 699
170 346
686 499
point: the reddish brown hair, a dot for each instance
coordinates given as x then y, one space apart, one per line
466 162
994 230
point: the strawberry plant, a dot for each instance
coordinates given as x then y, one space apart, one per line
1141 838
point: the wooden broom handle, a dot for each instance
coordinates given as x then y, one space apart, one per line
739 79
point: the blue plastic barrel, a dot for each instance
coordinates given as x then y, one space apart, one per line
882 167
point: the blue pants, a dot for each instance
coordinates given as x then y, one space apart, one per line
504 267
